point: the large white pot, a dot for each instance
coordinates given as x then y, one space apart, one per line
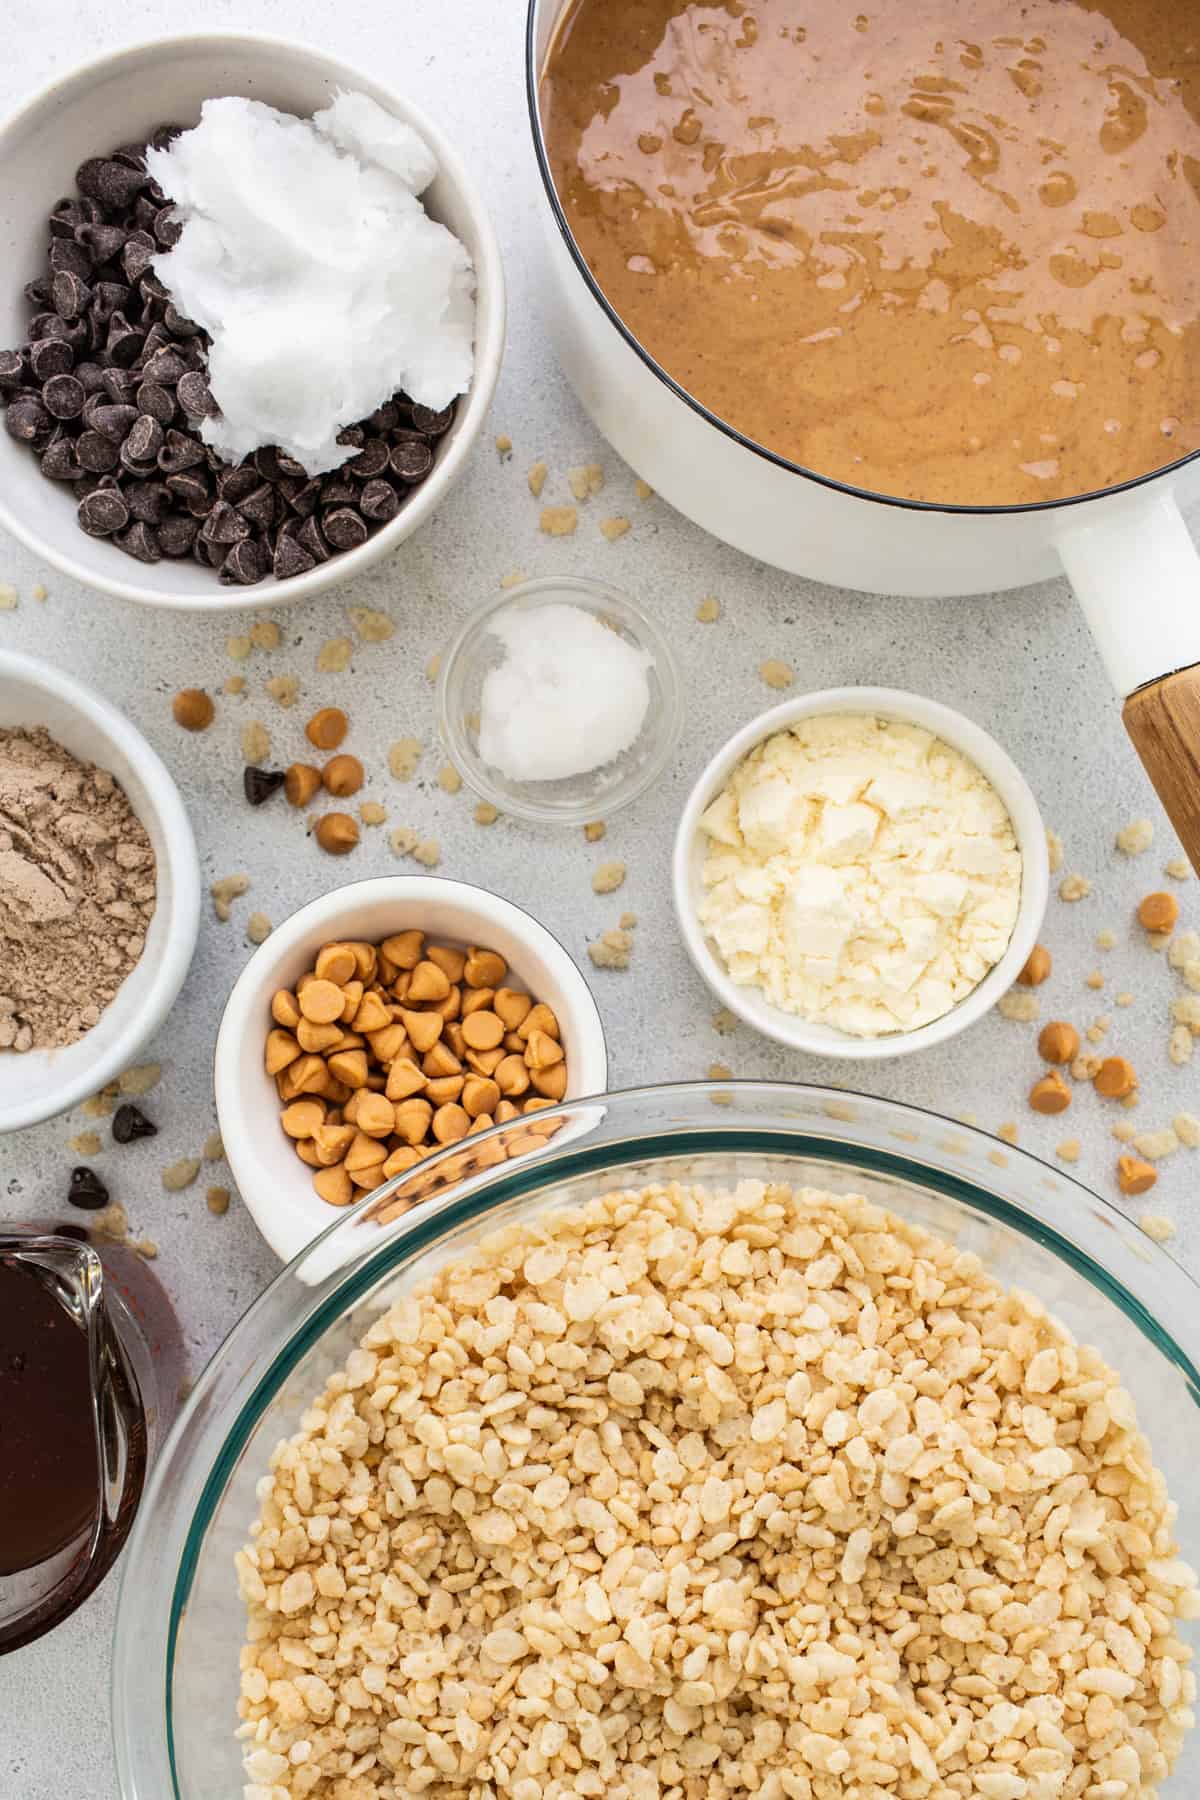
1129 555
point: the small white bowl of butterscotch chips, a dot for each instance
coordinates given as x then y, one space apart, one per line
381 1024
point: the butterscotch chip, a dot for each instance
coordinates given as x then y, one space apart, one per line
282 1049
327 728
1158 912
537 478
349 1067
402 1159
1135 1176
334 1185
482 1030
284 1009
342 775
302 1118
551 1083
1050 1095
776 674
542 1051
512 1075
444 1088
1037 967
375 1115
318 1038
424 1029
300 782
538 1018
336 833
558 521
484 969
365 1154
193 709
450 1123
1115 1078
512 1006
334 656
429 982
255 742
330 1142
321 1001
336 963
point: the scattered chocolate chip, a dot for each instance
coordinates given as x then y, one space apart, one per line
344 528
260 784
108 299
130 1123
112 184
164 365
92 377
124 340
120 385
303 499
191 489
113 421
337 491
87 1190
63 397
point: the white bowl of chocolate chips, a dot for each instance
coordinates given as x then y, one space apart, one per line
143 367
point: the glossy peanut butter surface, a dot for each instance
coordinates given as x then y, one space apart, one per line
947 250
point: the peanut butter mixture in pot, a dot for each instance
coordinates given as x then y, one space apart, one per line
947 250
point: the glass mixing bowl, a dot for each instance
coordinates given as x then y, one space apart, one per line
181 1622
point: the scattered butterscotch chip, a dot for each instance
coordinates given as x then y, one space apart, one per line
1074 887
336 833
1154 1145
371 813
1037 967
1069 1150
608 878
1054 850
1050 1095
225 891
1058 1041
504 444
372 626
1158 912
595 831
776 674
258 928
709 610
334 656
1135 1176
181 1174
238 647
537 478
627 921
719 1072
1180 1046
86 1143
449 779
327 728
1007 1131
513 579
485 813
403 757
1106 939
193 709
1179 869
1115 1078
558 521
1157 1226
214 1147
1124 1132
284 689
433 667
300 783
585 480
643 490
234 684
342 775
1136 837
724 1022
1020 1006
612 950
1124 999
265 634
255 741
139 1080
1095 980
217 1200
614 528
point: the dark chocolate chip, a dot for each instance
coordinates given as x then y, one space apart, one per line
288 465
234 484
371 460
260 506
164 364
140 541
132 155
37 291
260 784
337 491
266 461
433 424
194 396
102 242
411 459
224 525
67 215
112 184
92 377
245 563
177 534
385 418
304 499
13 369
130 1123
47 325
108 299
70 257
309 535
178 325
51 356
68 295
159 402
352 434
103 512
168 227
144 440
191 488
163 136
63 396
149 501
124 340
97 454
136 257
179 452
291 559
87 1191
113 421
58 461
121 385
344 528
379 501
26 418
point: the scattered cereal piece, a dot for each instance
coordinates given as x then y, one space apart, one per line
709 610
537 479
504 444
776 674
255 741
1131 1101
214 1147
1007 1131
608 878
100 1105
8 597
433 667
1134 838
181 1174
140 1080
724 1022
1085 1068
1074 887
1099 1029
39 591
371 813
486 813
513 579
627 921
719 1072
238 647
1037 968
258 928
449 779
217 1200
403 757
1156 1226
228 889
1187 1129
1185 1010
373 627
1054 849
428 853
1135 1177
1180 1046
404 840
612 950
1184 948
284 689
614 528
1179 869
86 1143
998 1158
1095 980
265 634
1125 998
595 831
193 709
334 656
558 521
145 1248
1106 939
1124 1132
235 684
1022 1007
643 490
1158 912
1154 1145
1069 1150
585 480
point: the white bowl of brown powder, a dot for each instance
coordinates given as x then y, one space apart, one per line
99 891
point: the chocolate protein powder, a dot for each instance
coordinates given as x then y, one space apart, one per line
77 888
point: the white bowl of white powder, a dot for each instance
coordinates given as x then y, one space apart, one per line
860 873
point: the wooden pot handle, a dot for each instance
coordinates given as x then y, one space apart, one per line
1163 719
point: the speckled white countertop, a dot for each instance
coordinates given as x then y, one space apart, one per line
1021 664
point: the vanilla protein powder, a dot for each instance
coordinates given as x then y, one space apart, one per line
861 873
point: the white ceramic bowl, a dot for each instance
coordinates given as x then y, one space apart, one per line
954 729
41 1083
274 1183
118 99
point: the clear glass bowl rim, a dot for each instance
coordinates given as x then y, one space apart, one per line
666 726
147 1628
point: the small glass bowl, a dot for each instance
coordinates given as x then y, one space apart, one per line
575 799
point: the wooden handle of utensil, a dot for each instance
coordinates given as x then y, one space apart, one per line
1163 719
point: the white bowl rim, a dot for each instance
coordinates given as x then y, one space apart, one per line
272 1214
489 350
961 733
183 918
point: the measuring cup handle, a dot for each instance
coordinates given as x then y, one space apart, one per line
1136 573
